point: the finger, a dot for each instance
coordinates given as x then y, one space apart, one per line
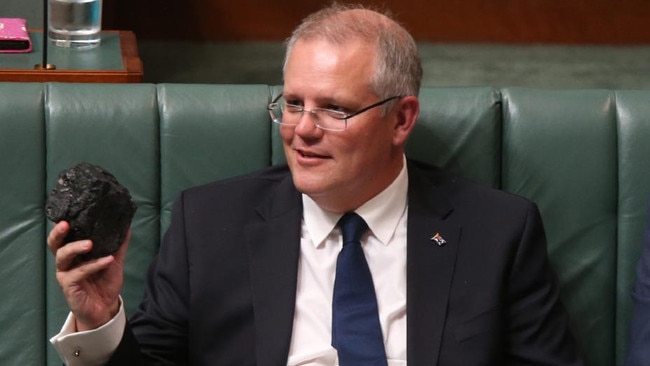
57 235
66 256
87 269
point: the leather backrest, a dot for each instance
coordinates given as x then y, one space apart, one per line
22 254
580 154
633 159
114 126
210 132
560 151
459 129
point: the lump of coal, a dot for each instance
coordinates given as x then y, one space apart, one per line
96 206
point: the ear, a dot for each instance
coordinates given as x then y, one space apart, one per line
408 109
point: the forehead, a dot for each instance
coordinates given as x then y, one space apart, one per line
317 65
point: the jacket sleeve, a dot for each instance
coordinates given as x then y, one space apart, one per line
638 352
538 326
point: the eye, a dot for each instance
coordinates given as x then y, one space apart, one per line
336 112
336 108
293 106
294 102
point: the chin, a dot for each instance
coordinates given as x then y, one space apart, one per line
313 185
307 186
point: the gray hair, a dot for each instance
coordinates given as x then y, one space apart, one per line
398 66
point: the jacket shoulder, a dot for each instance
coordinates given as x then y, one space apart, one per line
462 192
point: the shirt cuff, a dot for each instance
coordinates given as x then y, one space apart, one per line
92 347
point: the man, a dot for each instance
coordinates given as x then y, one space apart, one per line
638 352
248 272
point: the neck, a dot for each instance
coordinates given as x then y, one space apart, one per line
354 198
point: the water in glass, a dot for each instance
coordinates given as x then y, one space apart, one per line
75 23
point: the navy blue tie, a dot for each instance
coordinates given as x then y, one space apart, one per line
356 333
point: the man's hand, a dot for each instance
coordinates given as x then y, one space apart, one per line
90 288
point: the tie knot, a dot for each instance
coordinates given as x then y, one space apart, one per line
352 226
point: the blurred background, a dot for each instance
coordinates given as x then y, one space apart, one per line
534 43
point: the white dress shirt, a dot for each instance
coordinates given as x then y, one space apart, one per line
92 347
385 249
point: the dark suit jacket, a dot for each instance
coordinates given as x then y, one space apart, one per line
222 289
638 352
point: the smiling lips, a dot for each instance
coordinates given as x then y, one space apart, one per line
310 154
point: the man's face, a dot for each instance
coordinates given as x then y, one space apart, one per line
340 170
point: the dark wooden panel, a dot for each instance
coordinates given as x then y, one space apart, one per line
481 21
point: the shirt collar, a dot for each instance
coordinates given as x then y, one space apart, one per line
382 212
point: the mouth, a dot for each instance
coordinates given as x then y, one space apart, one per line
310 155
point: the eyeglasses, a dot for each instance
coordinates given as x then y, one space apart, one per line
289 114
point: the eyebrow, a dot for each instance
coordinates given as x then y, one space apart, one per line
321 102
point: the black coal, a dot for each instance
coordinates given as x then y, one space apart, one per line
95 204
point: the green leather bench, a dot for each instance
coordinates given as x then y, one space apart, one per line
582 155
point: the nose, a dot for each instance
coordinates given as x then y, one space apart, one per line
307 127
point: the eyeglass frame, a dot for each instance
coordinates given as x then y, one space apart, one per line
344 116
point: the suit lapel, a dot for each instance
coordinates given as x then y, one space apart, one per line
273 248
430 266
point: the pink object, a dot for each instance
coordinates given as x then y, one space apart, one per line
14 36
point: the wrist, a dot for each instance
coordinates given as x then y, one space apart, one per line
82 325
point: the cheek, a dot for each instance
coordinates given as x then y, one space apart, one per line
286 133
377 139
